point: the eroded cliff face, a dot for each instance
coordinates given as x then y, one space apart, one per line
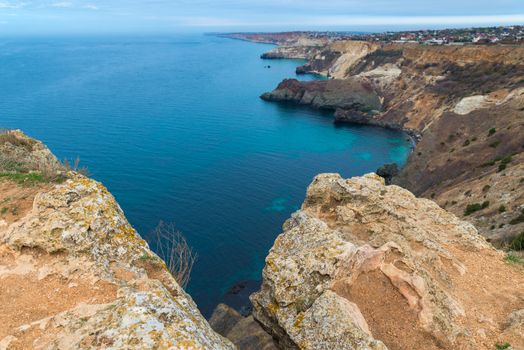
350 94
464 104
337 58
74 274
368 266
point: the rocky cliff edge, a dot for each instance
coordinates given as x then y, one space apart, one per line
74 274
368 266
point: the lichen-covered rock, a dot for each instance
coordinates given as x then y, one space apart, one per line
364 266
74 274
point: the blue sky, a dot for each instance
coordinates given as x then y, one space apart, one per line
92 16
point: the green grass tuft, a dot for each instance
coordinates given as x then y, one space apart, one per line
503 346
24 178
517 243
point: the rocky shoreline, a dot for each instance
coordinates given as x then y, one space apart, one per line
424 90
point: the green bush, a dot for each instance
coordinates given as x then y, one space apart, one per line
492 131
471 208
502 209
504 163
505 160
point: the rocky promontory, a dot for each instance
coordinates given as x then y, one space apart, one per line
354 96
464 104
367 266
74 274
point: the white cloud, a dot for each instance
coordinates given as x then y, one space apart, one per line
11 5
197 21
416 20
91 7
62 4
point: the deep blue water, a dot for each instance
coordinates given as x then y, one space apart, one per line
174 127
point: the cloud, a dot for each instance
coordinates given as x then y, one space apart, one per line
198 21
415 20
12 5
62 4
260 15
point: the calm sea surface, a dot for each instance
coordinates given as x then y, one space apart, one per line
174 127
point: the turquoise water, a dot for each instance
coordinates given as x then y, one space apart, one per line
174 127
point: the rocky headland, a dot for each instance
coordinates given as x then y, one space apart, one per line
74 274
464 105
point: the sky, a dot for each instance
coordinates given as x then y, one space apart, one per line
157 16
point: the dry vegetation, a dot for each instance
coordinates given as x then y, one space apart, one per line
173 248
22 161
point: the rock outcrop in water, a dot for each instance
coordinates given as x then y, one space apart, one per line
368 266
74 274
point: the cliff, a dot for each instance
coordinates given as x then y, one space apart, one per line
465 106
352 95
74 274
367 266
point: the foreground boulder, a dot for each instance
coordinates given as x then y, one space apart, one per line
368 266
74 274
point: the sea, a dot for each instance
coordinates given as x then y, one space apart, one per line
174 127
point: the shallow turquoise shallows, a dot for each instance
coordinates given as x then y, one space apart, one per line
174 127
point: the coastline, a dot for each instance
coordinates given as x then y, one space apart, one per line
358 264
413 134
427 91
